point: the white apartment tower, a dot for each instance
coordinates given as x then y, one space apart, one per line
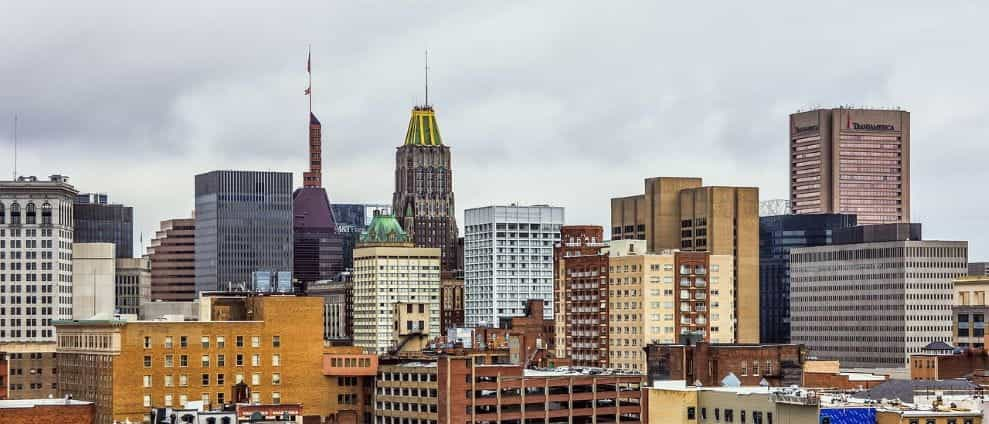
35 257
508 259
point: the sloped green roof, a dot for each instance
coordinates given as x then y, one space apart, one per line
423 130
384 229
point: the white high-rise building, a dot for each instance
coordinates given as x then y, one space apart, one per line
35 257
388 270
508 259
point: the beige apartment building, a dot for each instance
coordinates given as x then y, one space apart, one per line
681 213
389 270
851 161
659 297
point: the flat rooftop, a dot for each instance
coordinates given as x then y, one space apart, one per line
31 403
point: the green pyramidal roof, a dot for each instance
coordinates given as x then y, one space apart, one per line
423 130
384 229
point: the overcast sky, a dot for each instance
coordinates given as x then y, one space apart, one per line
541 102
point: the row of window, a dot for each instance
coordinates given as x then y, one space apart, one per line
221 360
205 379
221 342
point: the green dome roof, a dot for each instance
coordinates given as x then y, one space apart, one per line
384 229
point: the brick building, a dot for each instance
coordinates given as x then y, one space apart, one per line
470 391
173 260
273 344
828 375
529 338
944 366
778 364
46 411
580 290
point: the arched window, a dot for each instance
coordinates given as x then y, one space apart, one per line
32 214
15 214
3 215
46 213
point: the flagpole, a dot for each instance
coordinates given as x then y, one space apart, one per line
309 71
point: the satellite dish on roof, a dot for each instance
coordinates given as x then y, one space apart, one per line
731 381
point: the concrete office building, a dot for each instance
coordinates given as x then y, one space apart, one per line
173 261
389 269
423 199
854 161
970 312
244 223
777 235
978 268
133 284
663 297
98 221
877 295
36 227
508 259
681 213
94 279
580 292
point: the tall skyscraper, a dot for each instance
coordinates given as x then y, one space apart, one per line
98 221
680 213
777 235
36 250
853 161
318 251
875 296
423 200
388 270
244 224
173 260
508 260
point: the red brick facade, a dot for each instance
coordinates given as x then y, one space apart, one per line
49 414
778 364
944 367
581 293
836 381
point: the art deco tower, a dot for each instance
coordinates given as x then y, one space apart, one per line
423 199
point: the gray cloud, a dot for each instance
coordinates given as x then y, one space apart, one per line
541 102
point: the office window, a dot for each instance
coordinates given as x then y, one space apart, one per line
147 401
239 342
168 400
183 399
256 360
183 360
276 341
276 378
238 378
220 379
183 341
205 341
147 342
255 341
205 398
168 381
256 379
255 397
205 361
183 380
221 360
147 361
147 381
691 413
221 342
169 361
205 379
168 342
276 360
276 398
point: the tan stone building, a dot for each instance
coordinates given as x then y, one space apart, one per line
970 311
273 344
659 297
681 213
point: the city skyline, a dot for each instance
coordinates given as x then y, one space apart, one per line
202 106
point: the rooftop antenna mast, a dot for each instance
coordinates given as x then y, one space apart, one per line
15 148
427 78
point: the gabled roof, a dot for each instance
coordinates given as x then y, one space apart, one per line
423 130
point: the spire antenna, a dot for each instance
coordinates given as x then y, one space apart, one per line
427 78
15 147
